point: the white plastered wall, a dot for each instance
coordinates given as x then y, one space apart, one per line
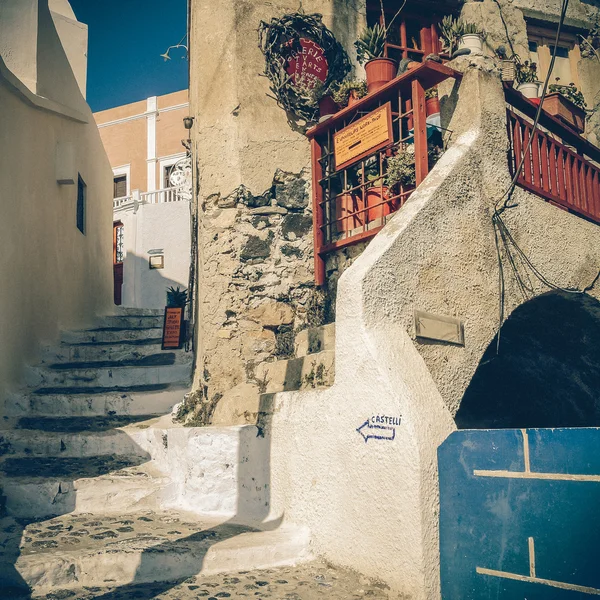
54 276
373 506
165 229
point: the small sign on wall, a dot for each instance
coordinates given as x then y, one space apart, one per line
363 137
157 261
439 328
173 329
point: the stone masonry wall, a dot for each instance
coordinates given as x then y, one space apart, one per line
257 286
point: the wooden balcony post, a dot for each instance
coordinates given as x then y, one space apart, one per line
317 194
420 131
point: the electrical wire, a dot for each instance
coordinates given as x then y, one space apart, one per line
502 235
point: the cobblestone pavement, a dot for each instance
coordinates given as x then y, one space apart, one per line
305 582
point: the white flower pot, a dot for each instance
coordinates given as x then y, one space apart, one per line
529 90
473 42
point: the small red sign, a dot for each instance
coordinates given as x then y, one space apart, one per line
172 328
309 65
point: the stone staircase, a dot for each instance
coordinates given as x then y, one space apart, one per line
313 364
84 501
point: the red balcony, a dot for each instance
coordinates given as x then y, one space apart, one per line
561 167
353 196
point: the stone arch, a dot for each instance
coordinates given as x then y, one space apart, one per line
547 371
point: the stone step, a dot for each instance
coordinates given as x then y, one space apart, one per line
155 359
41 487
106 378
51 354
131 321
111 336
135 400
71 552
306 372
127 311
315 339
75 437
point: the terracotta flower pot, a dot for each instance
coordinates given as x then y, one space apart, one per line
346 205
432 106
327 106
565 110
353 97
379 71
377 205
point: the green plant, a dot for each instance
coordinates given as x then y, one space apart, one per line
590 43
401 168
526 71
471 29
176 297
431 93
310 92
452 30
570 92
371 42
341 92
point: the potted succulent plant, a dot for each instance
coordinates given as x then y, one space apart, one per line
370 50
432 101
174 323
471 38
314 95
527 79
451 31
566 103
349 91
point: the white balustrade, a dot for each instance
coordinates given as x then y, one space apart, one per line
166 195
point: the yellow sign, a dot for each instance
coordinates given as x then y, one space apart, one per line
363 137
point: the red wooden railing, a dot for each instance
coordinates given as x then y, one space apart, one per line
556 167
349 206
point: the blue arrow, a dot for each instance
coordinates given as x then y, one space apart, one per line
376 435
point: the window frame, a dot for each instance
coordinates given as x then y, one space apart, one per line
80 212
119 172
544 38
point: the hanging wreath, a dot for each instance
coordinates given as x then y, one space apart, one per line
302 60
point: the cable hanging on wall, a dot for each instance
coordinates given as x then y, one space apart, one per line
504 240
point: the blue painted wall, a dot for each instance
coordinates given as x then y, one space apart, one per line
487 521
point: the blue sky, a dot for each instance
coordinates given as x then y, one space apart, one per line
126 39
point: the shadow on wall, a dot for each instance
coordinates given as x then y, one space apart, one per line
547 373
185 555
144 287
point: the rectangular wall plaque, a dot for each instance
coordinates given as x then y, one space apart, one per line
173 329
440 328
363 137
157 261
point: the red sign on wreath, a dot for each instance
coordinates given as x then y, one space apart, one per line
308 66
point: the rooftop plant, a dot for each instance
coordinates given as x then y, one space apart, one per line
570 92
453 29
526 71
176 297
371 42
342 91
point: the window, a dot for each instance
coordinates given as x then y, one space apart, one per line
541 45
120 186
81 198
167 175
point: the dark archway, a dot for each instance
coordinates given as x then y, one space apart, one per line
547 373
